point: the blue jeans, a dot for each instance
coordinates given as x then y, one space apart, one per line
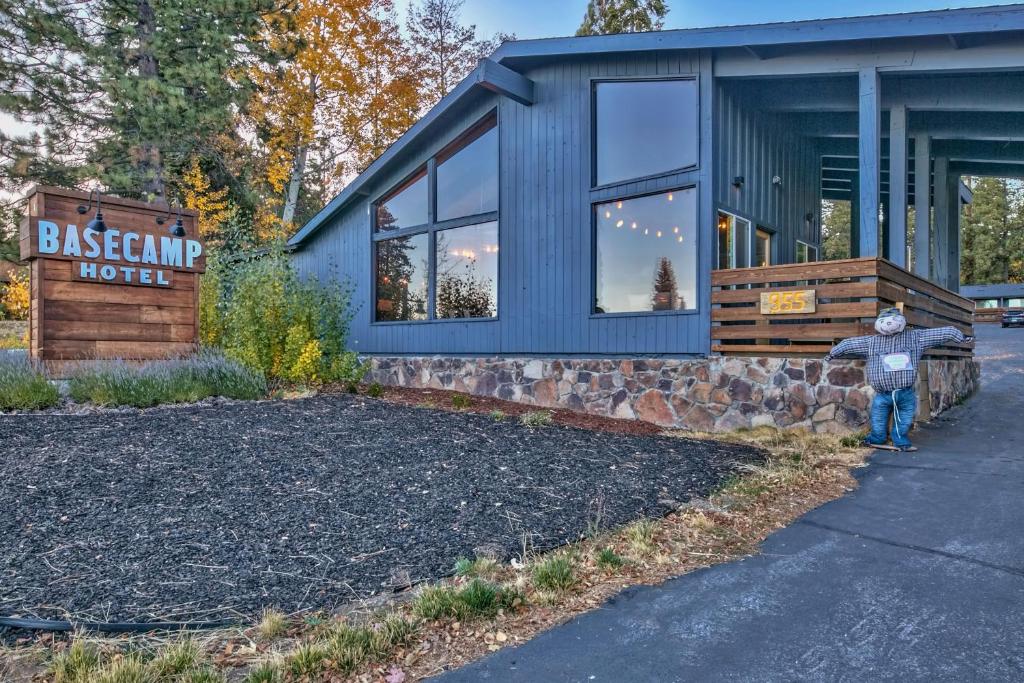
905 403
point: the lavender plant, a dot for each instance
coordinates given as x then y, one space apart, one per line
23 384
186 380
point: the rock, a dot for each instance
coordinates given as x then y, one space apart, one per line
774 400
857 398
534 369
812 372
762 420
701 392
803 392
721 397
699 419
651 407
756 374
733 420
795 374
624 411
680 404
739 390
828 394
825 413
486 385
546 392
845 376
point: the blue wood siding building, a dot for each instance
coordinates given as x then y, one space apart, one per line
780 111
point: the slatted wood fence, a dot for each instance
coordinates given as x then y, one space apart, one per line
991 315
848 295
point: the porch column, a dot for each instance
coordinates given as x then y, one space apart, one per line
855 216
922 217
952 282
897 213
870 138
941 258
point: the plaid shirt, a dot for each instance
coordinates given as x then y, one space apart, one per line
876 347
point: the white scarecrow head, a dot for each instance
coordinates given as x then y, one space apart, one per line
890 321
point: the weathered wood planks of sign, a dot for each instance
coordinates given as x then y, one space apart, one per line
131 291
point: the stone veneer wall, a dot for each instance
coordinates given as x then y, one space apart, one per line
707 394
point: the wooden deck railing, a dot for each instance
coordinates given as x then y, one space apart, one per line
840 299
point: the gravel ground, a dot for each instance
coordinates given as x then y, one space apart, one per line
217 512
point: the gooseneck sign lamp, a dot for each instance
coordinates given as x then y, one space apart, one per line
97 224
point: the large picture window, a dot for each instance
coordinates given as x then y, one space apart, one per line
402 278
467 271
438 259
644 128
406 206
646 253
467 181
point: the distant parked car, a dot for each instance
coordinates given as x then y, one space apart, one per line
1013 318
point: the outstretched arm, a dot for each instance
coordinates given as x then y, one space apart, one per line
942 335
854 347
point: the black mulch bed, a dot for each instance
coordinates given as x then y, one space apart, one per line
217 512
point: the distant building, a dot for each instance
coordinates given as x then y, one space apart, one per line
1010 295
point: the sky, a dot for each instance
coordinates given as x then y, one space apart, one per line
547 18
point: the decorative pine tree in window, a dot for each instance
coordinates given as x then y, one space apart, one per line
666 291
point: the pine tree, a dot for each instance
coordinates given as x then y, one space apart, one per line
124 92
835 230
992 246
666 289
622 16
445 51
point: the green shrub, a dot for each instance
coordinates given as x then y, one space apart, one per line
554 573
477 599
23 385
498 415
263 315
536 418
77 664
461 401
375 390
167 381
348 646
608 560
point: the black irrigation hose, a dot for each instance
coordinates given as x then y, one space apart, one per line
114 627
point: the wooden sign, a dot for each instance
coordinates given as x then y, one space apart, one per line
788 302
129 292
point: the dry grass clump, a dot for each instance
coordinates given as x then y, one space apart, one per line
272 625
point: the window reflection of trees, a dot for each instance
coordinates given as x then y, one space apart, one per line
462 291
401 286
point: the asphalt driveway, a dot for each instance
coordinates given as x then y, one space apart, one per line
918 575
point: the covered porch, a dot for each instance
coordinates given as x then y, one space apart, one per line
891 128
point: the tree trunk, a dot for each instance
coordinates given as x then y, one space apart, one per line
295 184
150 163
291 200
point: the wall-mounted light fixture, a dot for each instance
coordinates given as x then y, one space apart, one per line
738 181
178 229
97 224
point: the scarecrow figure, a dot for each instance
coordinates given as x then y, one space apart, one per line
893 355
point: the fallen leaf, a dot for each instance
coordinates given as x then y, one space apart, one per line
395 675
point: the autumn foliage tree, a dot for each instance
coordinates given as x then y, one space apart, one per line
345 93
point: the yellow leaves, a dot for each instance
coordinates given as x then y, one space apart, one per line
15 299
344 96
211 205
